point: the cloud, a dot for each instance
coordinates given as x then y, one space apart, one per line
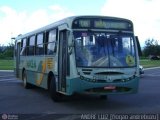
59 12
144 14
10 23
56 8
13 23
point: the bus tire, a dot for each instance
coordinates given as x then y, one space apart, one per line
56 97
25 83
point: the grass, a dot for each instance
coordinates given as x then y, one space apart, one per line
146 63
6 64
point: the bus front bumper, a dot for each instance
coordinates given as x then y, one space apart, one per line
80 86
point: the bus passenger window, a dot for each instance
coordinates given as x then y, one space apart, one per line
40 48
23 49
31 47
51 48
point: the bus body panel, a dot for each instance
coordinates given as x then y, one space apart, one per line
72 76
37 69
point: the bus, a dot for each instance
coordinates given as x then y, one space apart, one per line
80 54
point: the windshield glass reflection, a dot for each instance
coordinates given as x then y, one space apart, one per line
101 49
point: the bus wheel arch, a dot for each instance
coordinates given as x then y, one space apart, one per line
24 78
50 77
23 70
52 88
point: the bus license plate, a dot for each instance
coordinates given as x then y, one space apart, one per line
110 88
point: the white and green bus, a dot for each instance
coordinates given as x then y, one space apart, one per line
80 54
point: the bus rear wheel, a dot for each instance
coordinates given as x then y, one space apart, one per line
57 97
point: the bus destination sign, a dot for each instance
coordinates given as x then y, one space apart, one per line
84 23
102 24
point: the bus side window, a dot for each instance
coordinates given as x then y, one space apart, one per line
23 49
31 47
40 45
51 47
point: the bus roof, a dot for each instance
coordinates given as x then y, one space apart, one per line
63 21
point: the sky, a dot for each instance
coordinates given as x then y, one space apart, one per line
22 16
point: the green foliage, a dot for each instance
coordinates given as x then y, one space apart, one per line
151 48
6 52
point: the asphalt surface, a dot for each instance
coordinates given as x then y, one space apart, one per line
14 99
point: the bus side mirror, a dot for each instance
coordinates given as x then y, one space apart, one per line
138 46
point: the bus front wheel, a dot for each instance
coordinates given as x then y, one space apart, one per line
53 93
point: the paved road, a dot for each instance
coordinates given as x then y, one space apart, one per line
15 99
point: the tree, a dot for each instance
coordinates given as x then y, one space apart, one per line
150 42
6 52
151 47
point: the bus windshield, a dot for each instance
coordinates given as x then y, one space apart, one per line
103 49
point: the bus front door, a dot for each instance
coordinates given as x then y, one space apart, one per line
62 60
